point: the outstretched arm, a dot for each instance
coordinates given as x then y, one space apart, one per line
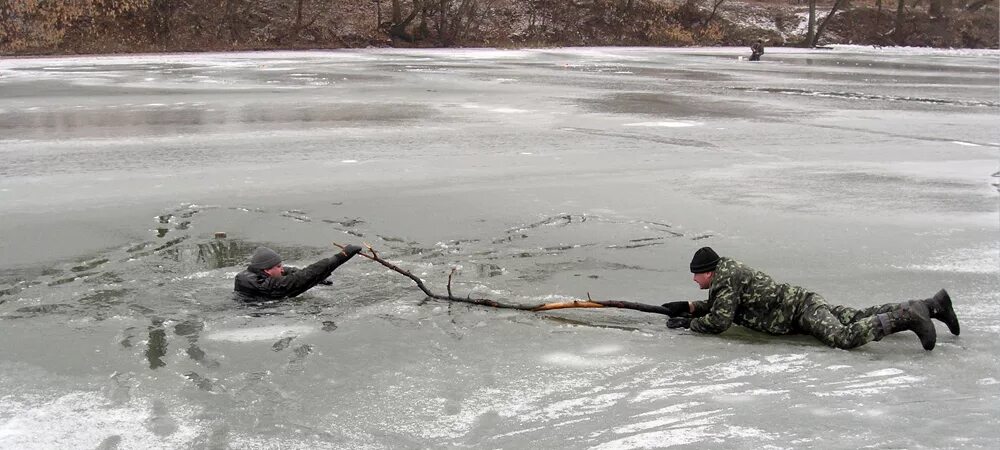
299 281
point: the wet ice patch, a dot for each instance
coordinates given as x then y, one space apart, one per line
985 259
267 333
967 144
509 110
666 124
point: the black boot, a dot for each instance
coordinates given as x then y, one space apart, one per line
940 308
913 316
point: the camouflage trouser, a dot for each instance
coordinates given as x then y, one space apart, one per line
840 326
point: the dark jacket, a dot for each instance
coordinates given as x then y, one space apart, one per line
744 296
254 285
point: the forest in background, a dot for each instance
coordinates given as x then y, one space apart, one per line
32 27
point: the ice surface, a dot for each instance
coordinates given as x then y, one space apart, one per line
867 175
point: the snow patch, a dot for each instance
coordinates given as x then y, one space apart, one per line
604 349
260 333
575 407
83 420
659 439
882 373
667 419
659 394
564 359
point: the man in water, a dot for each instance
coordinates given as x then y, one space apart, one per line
744 296
756 50
267 279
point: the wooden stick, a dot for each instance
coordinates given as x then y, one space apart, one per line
589 303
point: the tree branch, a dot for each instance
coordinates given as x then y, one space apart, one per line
589 303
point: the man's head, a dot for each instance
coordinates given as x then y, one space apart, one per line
703 266
267 261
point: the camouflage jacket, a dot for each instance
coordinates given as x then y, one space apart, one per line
744 296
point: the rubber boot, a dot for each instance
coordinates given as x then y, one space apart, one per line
913 316
940 308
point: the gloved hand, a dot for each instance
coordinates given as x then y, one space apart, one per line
352 249
679 322
678 309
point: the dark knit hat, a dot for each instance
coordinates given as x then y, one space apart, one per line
264 258
705 260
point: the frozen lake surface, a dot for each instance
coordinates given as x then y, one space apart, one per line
865 175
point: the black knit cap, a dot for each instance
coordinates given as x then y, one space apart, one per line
264 258
705 260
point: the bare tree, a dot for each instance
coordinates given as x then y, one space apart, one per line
936 8
822 26
811 33
398 25
897 32
715 8
878 14
458 18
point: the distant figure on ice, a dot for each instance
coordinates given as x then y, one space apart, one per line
744 296
267 279
756 49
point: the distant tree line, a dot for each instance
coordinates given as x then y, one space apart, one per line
101 26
